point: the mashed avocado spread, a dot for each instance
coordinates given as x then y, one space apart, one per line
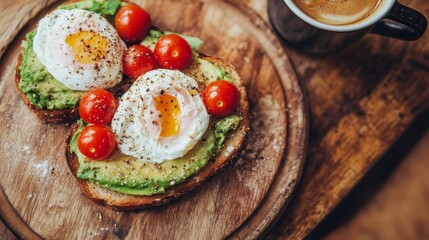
125 174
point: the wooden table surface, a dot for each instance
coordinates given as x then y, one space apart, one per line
360 101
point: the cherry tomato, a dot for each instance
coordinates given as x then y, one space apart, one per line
96 142
173 52
138 60
97 106
221 98
132 22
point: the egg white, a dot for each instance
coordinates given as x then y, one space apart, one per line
136 121
57 56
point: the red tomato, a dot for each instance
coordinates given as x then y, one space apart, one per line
96 142
97 106
132 22
221 98
173 52
138 60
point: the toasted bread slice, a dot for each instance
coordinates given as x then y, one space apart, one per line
121 201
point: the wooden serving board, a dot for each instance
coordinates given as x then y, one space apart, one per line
41 197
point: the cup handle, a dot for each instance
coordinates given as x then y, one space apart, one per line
403 23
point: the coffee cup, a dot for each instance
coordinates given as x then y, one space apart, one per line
323 26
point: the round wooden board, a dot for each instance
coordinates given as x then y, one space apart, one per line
241 202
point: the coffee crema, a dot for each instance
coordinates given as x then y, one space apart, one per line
337 12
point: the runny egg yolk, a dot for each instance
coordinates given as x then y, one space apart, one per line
87 46
169 108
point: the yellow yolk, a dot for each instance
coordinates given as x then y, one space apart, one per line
170 111
88 46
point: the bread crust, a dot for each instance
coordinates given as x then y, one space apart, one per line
119 201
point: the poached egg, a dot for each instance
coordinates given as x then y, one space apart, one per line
79 48
161 117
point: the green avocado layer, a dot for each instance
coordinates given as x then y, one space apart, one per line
125 174
40 87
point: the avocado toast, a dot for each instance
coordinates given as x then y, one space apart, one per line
156 184
123 181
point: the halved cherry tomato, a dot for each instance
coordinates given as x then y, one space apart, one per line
97 106
173 52
96 142
221 98
132 22
138 60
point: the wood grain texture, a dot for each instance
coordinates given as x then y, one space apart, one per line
265 174
361 100
393 197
